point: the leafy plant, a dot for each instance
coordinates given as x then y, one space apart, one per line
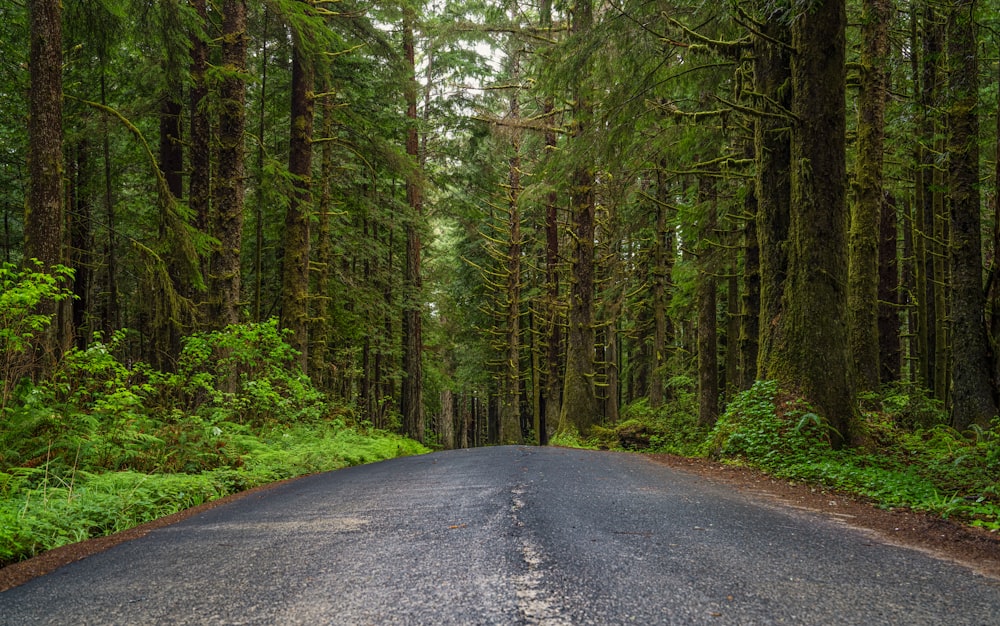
22 322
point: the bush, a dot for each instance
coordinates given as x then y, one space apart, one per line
759 428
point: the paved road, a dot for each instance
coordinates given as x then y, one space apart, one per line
508 535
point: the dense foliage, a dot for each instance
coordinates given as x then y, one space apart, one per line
105 444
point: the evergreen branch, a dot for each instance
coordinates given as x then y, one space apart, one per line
728 48
785 114
496 121
674 110
752 25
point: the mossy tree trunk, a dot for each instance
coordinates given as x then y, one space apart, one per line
810 352
867 209
663 257
295 239
750 297
972 392
199 151
707 306
580 409
889 325
319 331
229 182
411 400
926 247
772 149
43 224
510 401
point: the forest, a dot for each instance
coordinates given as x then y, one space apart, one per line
244 239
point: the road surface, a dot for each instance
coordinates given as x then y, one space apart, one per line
506 535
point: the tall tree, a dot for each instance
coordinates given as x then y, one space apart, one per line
229 183
295 266
972 394
810 351
510 404
411 400
580 409
772 150
44 219
867 209
43 229
707 304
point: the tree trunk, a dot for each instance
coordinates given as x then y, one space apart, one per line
230 181
411 400
707 305
295 267
663 262
553 337
750 301
43 223
772 149
199 153
553 317
810 352
579 404
320 322
510 403
972 395
927 247
890 345
867 209
81 245
446 427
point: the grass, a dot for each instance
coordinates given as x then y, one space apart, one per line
106 443
42 509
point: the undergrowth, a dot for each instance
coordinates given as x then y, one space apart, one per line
105 444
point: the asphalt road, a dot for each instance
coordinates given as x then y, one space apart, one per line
509 535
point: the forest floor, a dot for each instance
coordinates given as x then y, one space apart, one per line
975 548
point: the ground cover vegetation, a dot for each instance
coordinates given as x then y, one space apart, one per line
472 223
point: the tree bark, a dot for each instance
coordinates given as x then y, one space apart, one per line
411 401
199 153
972 393
890 343
43 229
707 305
322 309
750 299
772 149
510 405
579 405
230 180
810 352
295 266
43 223
867 208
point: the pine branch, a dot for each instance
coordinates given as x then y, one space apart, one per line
727 48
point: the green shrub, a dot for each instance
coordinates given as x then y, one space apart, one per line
758 428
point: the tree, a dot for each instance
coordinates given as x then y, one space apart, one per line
44 214
866 213
579 409
972 393
411 400
295 266
810 350
229 182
